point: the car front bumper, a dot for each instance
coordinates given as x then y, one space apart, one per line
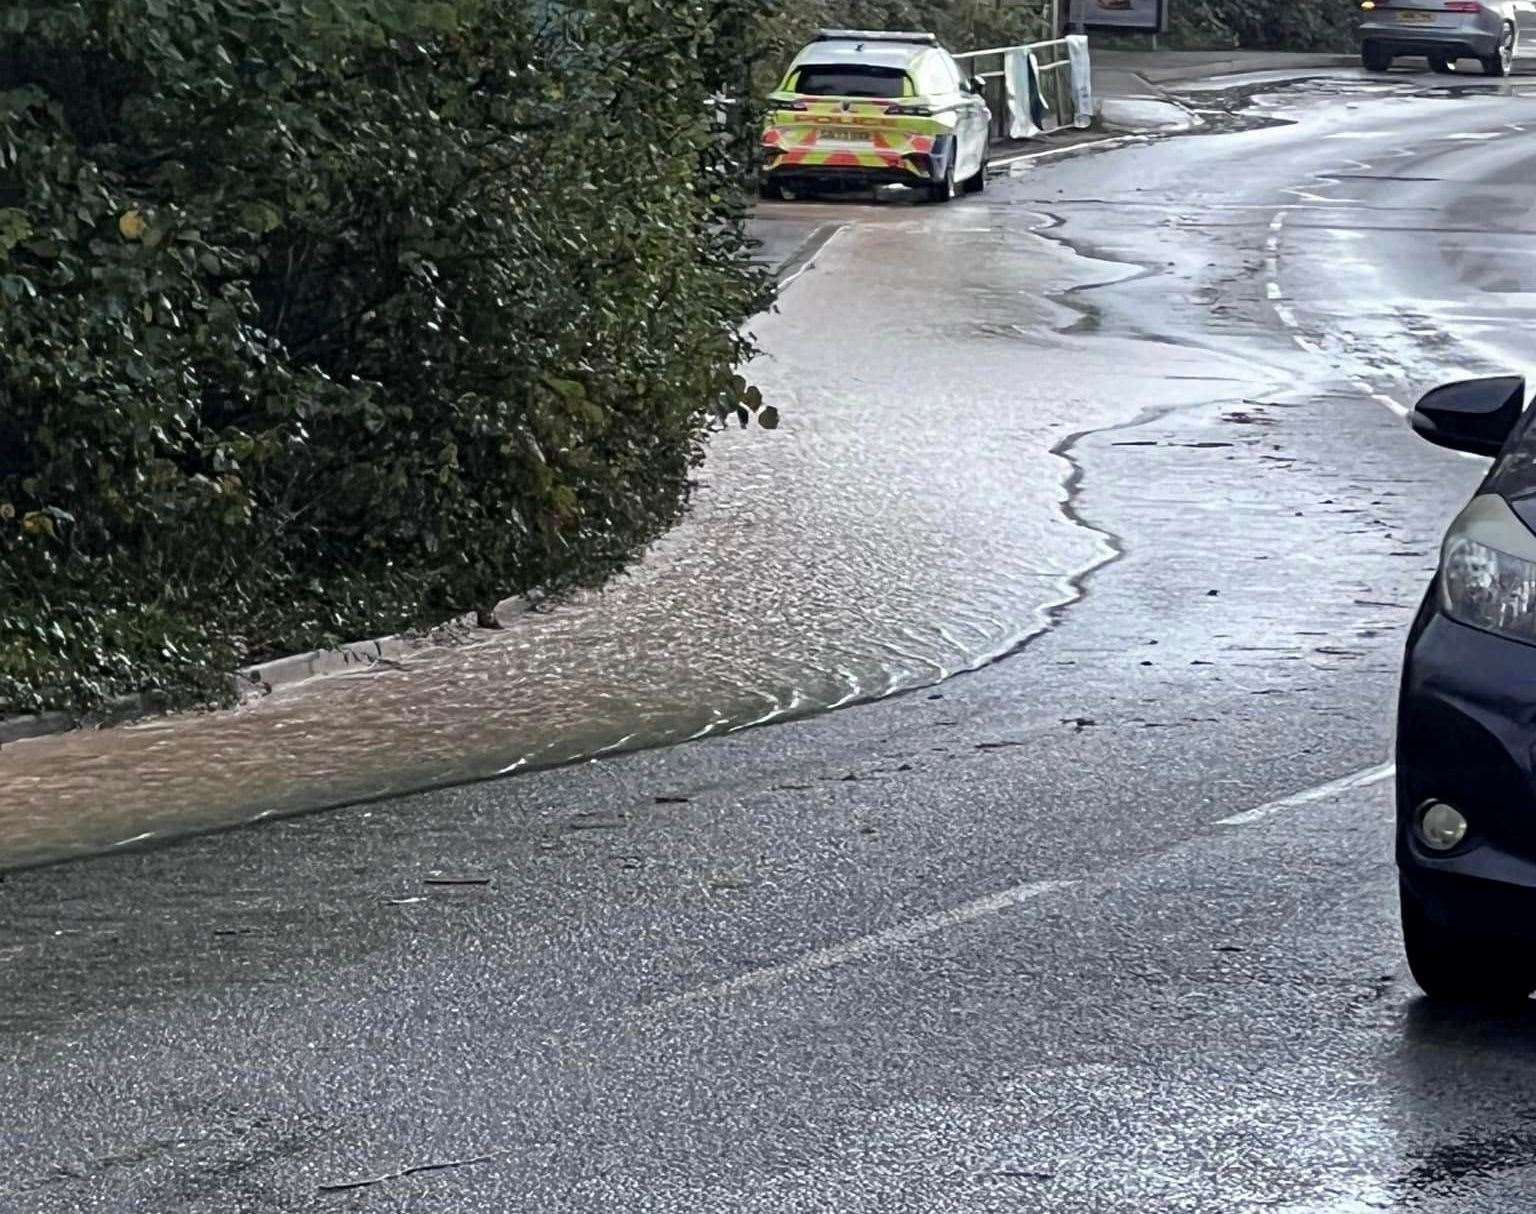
1467 736
1470 39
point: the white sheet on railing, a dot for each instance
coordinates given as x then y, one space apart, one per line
1023 85
1082 80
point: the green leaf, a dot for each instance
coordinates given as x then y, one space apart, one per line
260 217
15 227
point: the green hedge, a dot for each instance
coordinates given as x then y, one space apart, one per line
327 318
1304 26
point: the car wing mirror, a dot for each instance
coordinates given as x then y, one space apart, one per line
1474 415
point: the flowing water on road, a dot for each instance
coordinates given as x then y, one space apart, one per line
905 523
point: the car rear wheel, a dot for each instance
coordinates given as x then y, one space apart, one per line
1375 57
1441 64
978 183
944 190
773 190
1499 63
1453 967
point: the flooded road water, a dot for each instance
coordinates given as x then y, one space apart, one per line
907 521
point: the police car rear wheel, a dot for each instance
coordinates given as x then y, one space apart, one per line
943 191
976 184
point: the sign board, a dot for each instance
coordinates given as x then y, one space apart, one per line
1119 16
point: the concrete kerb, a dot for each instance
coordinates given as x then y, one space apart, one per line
18 729
261 678
40 725
295 668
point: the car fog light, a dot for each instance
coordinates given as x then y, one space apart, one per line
1441 826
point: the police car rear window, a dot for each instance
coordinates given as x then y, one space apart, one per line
850 80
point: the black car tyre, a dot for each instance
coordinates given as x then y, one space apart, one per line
1452 967
944 190
1441 64
772 189
978 183
1375 57
1499 63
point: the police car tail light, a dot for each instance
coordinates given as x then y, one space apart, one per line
798 107
1488 570
908 111
1463 6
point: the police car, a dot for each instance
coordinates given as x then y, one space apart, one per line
859 109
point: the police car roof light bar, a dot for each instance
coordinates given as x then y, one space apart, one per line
921 39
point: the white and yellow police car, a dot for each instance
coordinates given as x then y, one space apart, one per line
861 108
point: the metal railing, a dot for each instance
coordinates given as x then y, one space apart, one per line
1056 105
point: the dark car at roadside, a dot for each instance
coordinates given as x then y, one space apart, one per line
1466 738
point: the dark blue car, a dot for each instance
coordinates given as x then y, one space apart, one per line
1466 737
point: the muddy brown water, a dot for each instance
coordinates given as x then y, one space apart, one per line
905 523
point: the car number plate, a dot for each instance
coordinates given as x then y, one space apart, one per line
850 134
1415 18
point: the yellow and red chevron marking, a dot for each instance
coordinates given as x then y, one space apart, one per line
845 158
818 144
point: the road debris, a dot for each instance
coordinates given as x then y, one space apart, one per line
336 1186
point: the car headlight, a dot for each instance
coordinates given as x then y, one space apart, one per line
1488 570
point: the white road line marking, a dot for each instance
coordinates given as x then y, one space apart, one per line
854 950
1381 398
810 262
1358 165
1271 244
148 834
1277 222
1287 317
1100 144
1306 345
1272 291
1359 779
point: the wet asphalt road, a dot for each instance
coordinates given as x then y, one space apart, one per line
993 946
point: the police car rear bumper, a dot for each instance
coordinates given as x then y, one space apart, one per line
859 168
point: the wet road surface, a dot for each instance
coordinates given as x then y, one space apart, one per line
1071 932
